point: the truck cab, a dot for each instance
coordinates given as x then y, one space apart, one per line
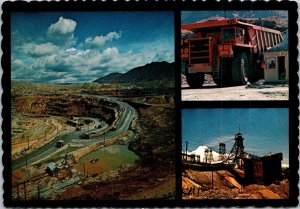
232 35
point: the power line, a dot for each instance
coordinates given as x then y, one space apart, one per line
209 145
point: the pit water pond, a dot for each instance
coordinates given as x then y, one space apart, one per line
106 159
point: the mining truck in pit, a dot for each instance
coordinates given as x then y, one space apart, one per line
228 49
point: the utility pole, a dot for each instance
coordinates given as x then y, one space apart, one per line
186 149
212 179
66 158
38 188
26 158
84 169
18 195
25 190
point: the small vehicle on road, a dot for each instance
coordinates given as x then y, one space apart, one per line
94 160
84 136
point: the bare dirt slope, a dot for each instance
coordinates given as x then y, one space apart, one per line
198 185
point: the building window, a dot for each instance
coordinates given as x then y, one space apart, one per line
271 63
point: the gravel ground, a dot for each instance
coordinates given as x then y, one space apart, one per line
257 91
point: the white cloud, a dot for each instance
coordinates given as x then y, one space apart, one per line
20 70
71 50
18 62
113 35
52 60
101 40
62 32
111 52
65 79
91 58
63 26
235 15
37 50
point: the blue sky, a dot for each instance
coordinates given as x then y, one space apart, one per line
265 130
62 47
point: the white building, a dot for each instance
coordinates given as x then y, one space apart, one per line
276 66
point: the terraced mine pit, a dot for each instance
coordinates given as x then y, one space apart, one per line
92 143
39 121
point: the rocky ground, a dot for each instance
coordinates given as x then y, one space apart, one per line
198 185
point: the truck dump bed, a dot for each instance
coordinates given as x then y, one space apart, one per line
261 38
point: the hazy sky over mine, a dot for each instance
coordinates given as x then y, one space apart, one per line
264 130
63 47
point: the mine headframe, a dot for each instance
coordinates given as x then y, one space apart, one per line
237 151
222 151
208 156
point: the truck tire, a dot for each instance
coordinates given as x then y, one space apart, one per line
240 69
195 80
254 69
225 73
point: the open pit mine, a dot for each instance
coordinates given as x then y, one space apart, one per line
80 144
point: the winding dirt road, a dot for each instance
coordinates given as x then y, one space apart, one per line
49 150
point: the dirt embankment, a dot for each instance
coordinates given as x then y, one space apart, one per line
81 152
222 185
156 141
66 106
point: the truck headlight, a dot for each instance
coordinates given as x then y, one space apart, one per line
220 47
226 47
186 50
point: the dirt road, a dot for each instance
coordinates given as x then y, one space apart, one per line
210 92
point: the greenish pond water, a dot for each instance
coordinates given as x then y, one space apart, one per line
109 158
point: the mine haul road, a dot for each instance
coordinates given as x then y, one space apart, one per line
49 150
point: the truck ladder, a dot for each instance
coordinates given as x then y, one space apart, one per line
216 64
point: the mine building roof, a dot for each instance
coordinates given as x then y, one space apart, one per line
52 166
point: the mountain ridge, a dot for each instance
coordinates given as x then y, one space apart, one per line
195 16
149 72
